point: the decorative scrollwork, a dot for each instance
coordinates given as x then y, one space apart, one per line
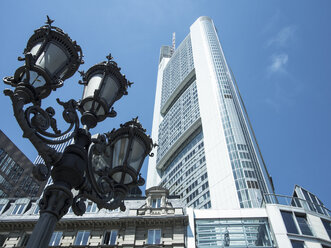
98 177
154 145
41 120
49 154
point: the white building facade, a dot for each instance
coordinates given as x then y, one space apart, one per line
205 154
291 223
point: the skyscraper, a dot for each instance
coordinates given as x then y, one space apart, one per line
206 153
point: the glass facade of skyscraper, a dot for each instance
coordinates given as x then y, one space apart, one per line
182 164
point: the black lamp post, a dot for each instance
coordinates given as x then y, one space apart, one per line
101 168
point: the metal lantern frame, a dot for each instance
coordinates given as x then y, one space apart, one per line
131 130
108 69
46 36
101 177
72 168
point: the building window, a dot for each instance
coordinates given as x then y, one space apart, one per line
36 209
18 209
25 240
297 244
2 239
289 222
55 239
303 224
233 233
154 236
327 225
91 207
110 237
82 238
2 206
156 203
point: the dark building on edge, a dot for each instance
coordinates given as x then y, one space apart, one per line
16 178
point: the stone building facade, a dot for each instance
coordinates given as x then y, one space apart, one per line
157 220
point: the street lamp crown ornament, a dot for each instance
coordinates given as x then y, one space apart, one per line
102 167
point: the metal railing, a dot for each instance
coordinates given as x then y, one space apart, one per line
296 202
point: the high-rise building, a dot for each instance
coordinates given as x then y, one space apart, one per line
16 178
206 152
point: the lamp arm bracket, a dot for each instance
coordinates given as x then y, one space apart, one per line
49 154
35 123
41 120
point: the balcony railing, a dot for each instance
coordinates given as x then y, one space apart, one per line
296 202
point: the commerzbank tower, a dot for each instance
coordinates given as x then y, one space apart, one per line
206 150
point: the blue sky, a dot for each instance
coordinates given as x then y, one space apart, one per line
278 50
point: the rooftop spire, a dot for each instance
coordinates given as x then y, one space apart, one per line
173 43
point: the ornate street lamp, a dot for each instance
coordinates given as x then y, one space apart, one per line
103 167
104 84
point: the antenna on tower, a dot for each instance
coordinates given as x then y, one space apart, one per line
173 43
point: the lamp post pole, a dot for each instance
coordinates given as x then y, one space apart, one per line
102 168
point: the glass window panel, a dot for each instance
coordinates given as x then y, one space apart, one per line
109 90
93 84
36 210
85 238
1 207
52 58
3 238
106 238
117 177
55 239
25 240
127 179
79 238
113 237
156 203
94 208
35 49
303 224
157 239
150 237
289 222
154 236
309 202
21 208
297 244
35 79
89 207
327 225
16 209
99 109
233 233
137 154
120 150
